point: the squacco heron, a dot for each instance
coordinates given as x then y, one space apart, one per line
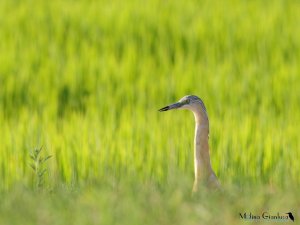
203 171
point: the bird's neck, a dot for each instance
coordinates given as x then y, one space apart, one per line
203 168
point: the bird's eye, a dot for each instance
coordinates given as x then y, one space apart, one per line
187 101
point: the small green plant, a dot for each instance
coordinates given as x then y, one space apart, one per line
38 165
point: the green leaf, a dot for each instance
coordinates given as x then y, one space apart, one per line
33 166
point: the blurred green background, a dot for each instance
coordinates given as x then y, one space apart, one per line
84 79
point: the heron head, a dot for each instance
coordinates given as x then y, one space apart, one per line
187 102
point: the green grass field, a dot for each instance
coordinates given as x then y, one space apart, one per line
84 80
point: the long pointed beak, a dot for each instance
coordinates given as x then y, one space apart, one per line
169 107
